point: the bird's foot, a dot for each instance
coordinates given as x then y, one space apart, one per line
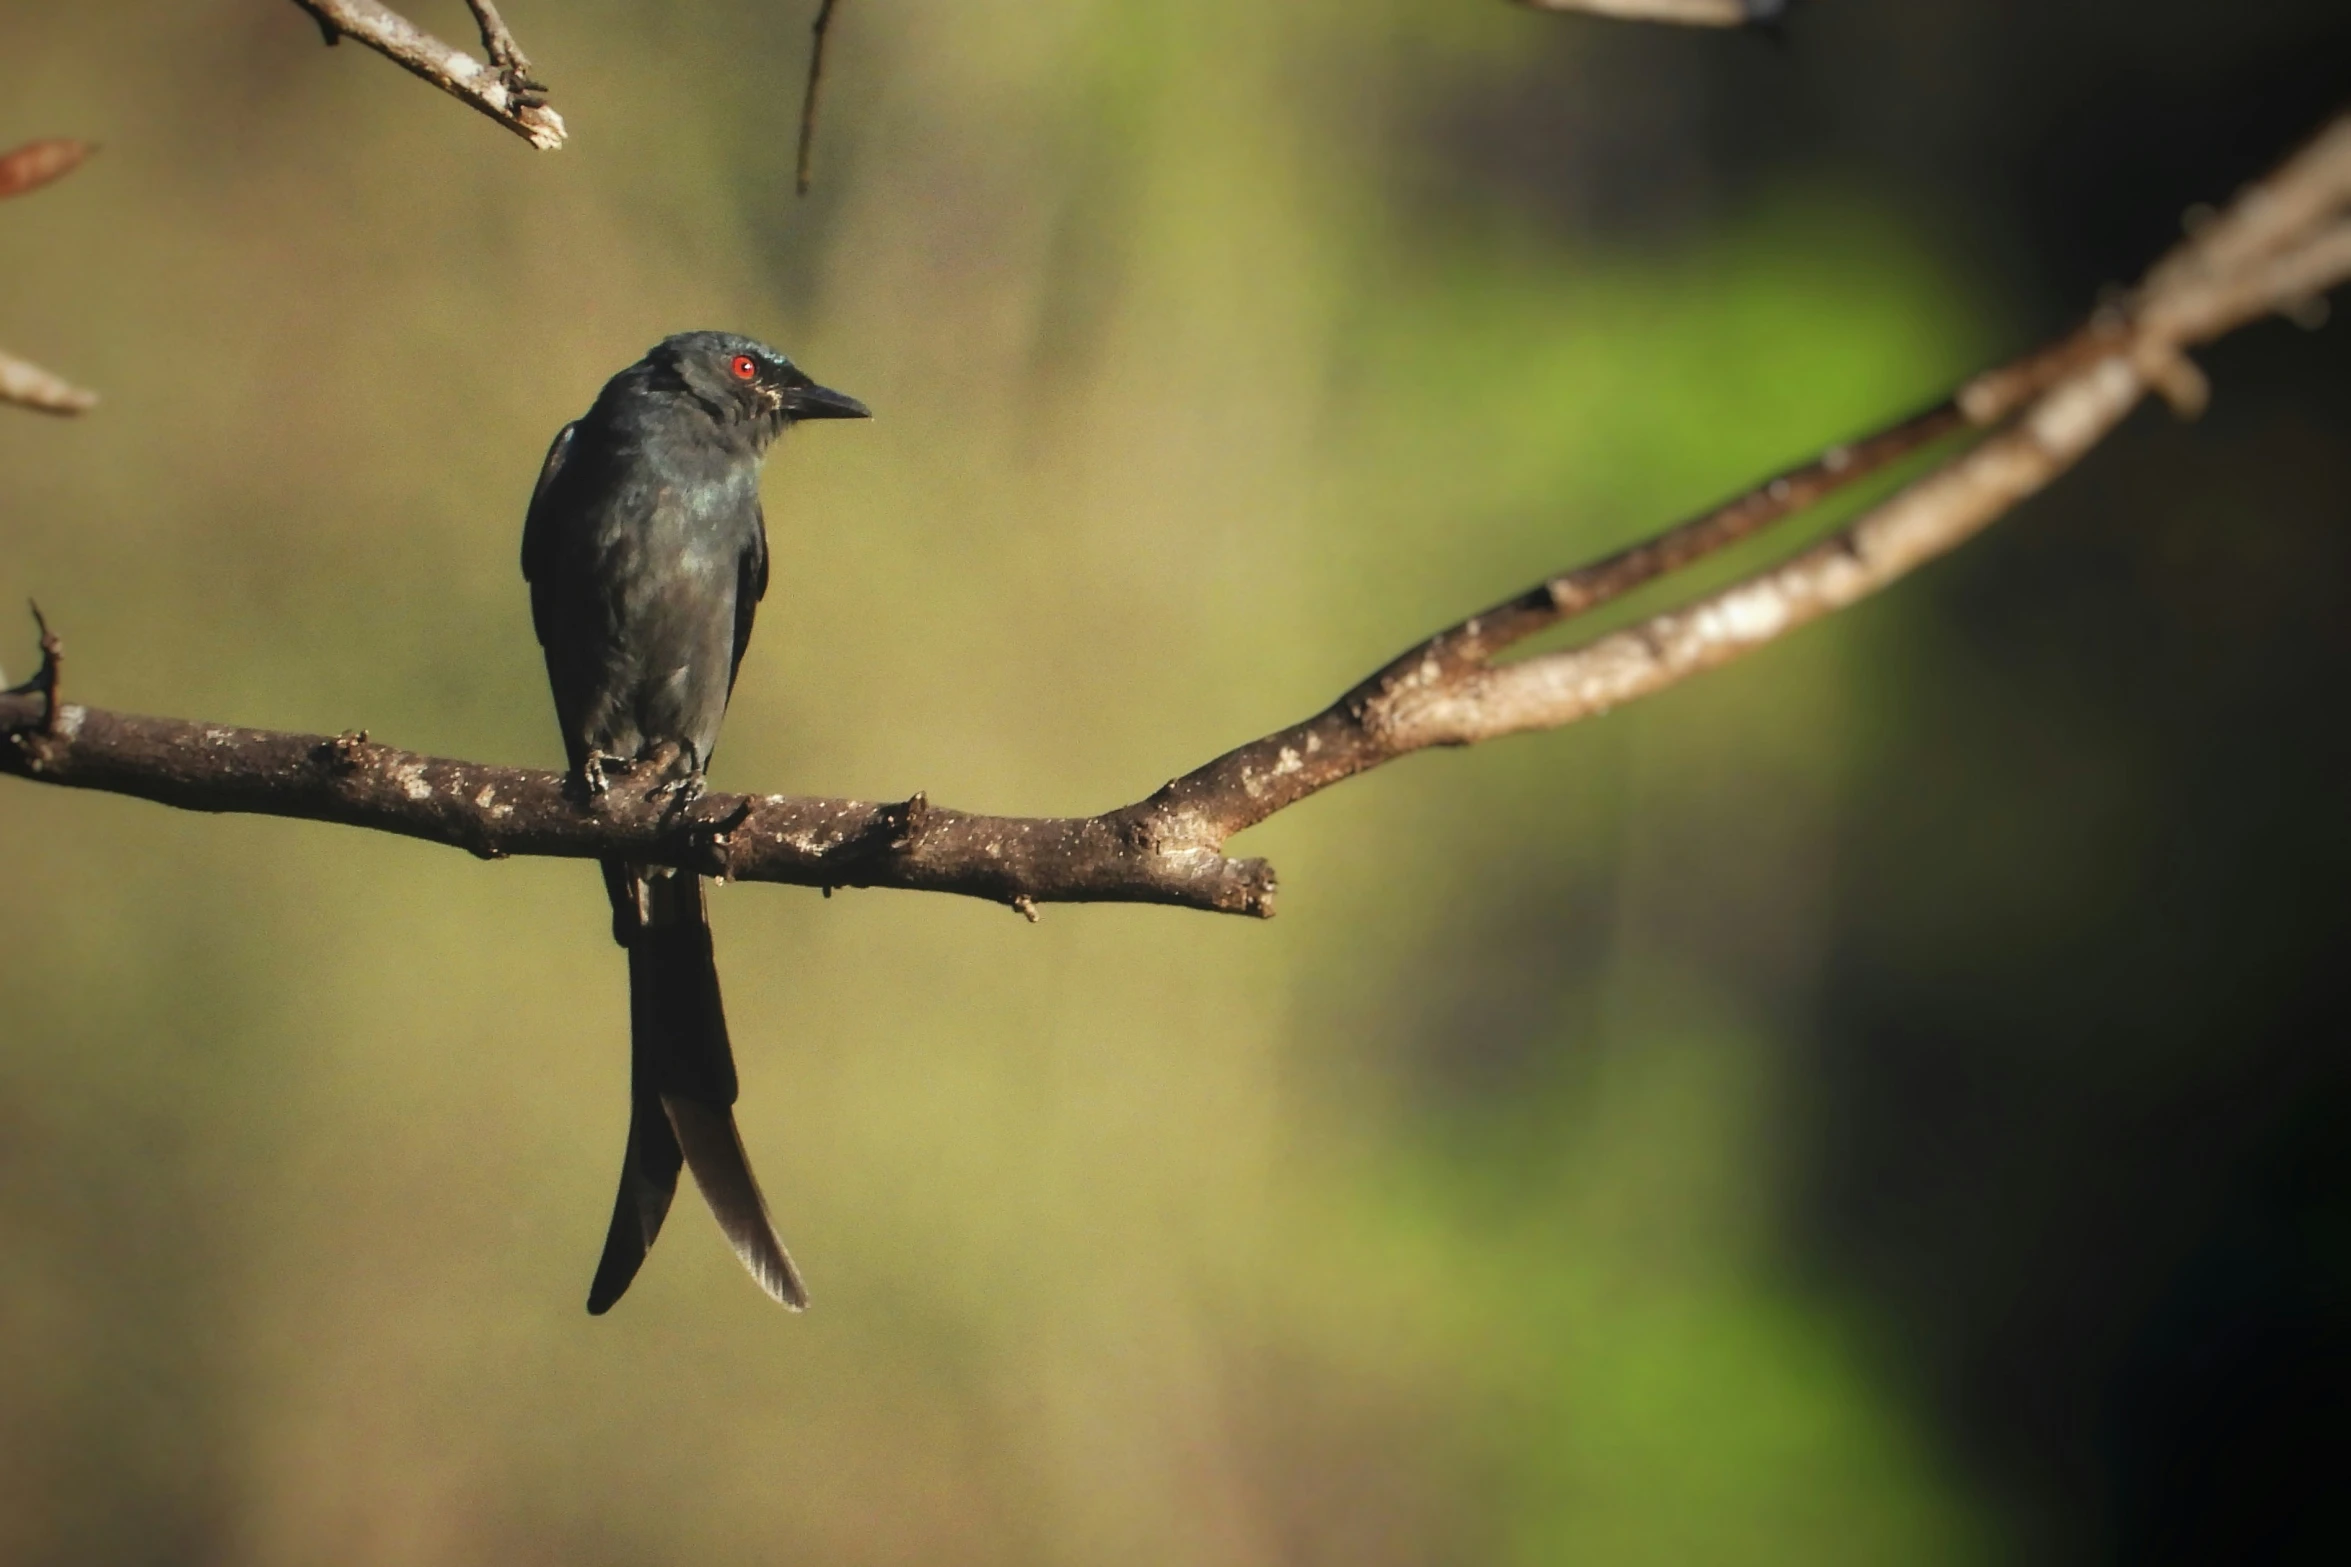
594 780
678 793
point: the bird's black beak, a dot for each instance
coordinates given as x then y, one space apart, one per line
822 402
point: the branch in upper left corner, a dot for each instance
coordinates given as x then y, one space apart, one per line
503 88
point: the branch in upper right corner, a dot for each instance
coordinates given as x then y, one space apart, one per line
1680 13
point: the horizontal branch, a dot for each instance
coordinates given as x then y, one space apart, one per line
503 88
1129 856
2280 244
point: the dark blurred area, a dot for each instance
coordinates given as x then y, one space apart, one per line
2082 1083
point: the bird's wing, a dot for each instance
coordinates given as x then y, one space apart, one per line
750 588
538 529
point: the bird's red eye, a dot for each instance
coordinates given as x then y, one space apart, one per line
745 367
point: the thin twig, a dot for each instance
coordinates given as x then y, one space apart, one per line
502 89
51 678
1681 13
1981 404
506 56
2281 244
817 32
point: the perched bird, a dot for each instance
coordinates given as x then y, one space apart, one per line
646 553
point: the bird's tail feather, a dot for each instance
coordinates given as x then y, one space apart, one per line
682 1095
648 1180
714 1152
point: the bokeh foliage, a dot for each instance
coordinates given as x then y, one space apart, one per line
1454 1215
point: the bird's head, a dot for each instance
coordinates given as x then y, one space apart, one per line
744 382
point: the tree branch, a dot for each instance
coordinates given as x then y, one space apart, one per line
1683 13
503 89
1121 857
2278 246
506 56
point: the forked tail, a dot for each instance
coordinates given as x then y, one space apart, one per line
682 1091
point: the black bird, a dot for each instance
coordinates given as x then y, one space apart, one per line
646 553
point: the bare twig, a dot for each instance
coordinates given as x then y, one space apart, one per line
29 386
2281 244
817 31
50 679
36 163
502 89
1682 13
506 56
2285 239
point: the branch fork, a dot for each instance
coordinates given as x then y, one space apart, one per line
506 56
502 88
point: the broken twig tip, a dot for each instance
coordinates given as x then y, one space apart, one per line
505 89
52 673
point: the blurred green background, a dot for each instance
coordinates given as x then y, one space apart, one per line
1879 1103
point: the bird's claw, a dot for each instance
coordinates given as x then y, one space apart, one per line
594 781
678 793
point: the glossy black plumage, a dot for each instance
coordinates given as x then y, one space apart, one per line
646 552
